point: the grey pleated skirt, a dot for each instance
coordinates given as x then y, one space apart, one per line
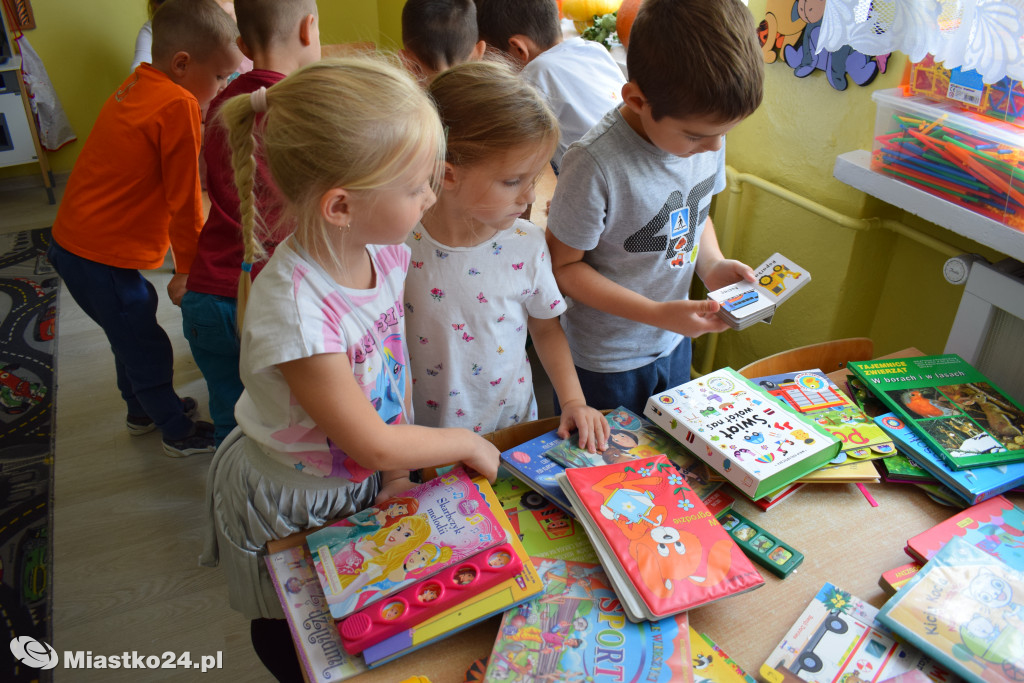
252 499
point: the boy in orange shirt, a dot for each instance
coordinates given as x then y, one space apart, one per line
135 191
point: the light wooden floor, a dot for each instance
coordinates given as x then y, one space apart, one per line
128 519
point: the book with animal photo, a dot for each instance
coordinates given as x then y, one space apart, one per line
382 549
662 549
838 638
952 406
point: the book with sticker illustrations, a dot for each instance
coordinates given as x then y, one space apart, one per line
662 548
385 548
745 303
741 431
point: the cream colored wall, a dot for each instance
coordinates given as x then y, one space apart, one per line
88 48
873 283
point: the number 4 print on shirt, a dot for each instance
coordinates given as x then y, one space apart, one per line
683 222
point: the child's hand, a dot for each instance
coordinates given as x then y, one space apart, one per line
590 423
392 488
482 455
692 318
176 287
726 272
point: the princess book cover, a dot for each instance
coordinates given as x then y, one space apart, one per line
523 586
378 551
974 485
995 526
669 551
316 637
528 463
812 394
838 639
632 437
964 608
952 406
576 631
741 431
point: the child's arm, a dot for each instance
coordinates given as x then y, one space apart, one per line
180 143
580 281
325 387
714 270
553 351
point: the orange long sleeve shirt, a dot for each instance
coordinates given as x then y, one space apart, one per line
134 189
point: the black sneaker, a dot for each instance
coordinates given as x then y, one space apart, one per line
200 441
142 424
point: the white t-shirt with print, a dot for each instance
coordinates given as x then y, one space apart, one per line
296 310
467 310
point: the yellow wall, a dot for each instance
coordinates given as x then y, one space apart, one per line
88 47
873 283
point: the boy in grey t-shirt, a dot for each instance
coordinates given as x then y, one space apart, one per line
629 221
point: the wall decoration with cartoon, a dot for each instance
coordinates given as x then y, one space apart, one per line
792 27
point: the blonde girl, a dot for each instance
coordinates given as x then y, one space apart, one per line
324 423
480 277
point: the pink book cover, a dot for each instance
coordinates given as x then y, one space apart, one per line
671 548
996 526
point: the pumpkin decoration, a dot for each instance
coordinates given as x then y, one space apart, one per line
624 19
582 11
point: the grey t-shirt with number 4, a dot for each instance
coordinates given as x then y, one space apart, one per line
638 213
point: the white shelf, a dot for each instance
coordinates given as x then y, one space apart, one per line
11 64
854 169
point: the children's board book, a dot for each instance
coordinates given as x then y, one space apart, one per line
711 664
577 631
381 550
632 437
742 432
527 463
899 469
839 639
663 550
974 485
776 497
523 586
941 494
812 394
853 472
313 629
745 303
953 407
543 529
964 610
892 580
995 526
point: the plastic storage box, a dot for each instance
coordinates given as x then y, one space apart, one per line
968 159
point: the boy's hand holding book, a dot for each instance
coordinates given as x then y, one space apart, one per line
589 422
691 318
725 272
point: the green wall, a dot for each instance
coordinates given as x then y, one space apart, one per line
88 47
864 283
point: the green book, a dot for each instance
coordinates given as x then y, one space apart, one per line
958 411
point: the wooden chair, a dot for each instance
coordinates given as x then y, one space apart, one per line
827 356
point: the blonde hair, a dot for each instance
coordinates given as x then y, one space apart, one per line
487 109
355 123
199 27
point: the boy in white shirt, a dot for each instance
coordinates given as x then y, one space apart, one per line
578 78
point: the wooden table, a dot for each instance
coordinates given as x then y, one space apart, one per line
844 540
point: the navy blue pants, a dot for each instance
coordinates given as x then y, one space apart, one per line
123 303
631 388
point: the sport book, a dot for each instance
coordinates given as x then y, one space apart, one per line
839 638
974 485
952 406
663 550
380 550
576 631
963 609
995 526
758 444
745 303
